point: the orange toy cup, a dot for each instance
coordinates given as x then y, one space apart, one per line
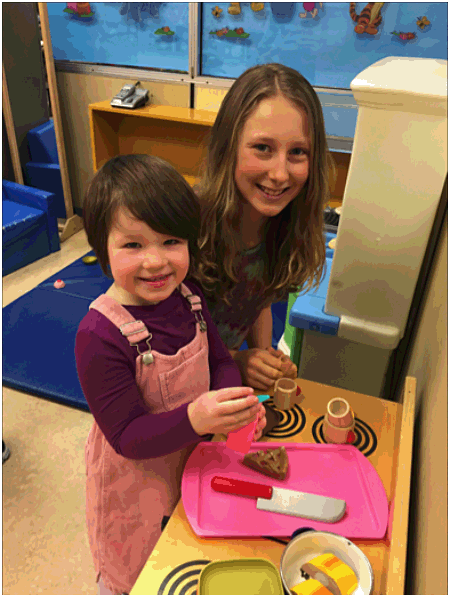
339 422
339 413
284 394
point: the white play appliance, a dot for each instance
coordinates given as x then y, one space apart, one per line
394 188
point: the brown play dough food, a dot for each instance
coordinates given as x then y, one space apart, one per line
273 418
271 462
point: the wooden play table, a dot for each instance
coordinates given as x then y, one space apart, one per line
384 434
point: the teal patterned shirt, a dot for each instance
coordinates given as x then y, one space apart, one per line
234 322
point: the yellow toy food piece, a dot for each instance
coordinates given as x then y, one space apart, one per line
328 575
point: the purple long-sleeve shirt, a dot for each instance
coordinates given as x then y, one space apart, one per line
106 365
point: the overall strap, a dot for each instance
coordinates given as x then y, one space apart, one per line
196 305
134 330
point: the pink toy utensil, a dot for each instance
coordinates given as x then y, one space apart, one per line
339 422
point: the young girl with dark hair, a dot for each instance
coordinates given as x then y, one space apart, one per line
155 373
263 192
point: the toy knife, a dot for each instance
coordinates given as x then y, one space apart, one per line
284 501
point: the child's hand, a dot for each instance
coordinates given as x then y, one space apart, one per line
288 368
262 422
261 368
223 410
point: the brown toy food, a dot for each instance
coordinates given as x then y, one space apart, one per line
273 463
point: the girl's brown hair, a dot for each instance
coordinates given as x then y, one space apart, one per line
152 191
295 251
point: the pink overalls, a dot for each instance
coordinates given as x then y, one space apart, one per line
127 499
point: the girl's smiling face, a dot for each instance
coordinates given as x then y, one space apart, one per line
147 266
273 158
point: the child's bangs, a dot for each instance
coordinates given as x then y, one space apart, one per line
162 213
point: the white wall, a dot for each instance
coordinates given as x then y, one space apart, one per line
427 566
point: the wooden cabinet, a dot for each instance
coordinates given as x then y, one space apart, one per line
178 135
341 164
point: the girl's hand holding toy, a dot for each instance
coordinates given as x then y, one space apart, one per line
224 410
260 368
288 369
262 422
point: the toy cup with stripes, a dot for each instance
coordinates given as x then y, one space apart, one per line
339 423
285 392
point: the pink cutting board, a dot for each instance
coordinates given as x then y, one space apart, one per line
338 471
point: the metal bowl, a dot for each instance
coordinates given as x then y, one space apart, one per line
307 544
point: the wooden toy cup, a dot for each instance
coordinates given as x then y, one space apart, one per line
284 393
339 421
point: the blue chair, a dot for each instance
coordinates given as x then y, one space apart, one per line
44 172
30 225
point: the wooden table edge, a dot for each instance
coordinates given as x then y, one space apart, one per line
395 578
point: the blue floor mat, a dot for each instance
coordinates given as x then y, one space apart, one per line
39 332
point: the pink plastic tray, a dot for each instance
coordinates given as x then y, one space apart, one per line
333 470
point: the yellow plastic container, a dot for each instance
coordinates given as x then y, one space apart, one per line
328 566
245 576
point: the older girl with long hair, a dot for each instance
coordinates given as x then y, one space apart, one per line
263 192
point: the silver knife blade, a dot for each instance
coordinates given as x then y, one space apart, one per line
304 505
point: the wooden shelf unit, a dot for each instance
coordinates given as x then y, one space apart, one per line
178 135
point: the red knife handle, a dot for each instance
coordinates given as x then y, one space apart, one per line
239 487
